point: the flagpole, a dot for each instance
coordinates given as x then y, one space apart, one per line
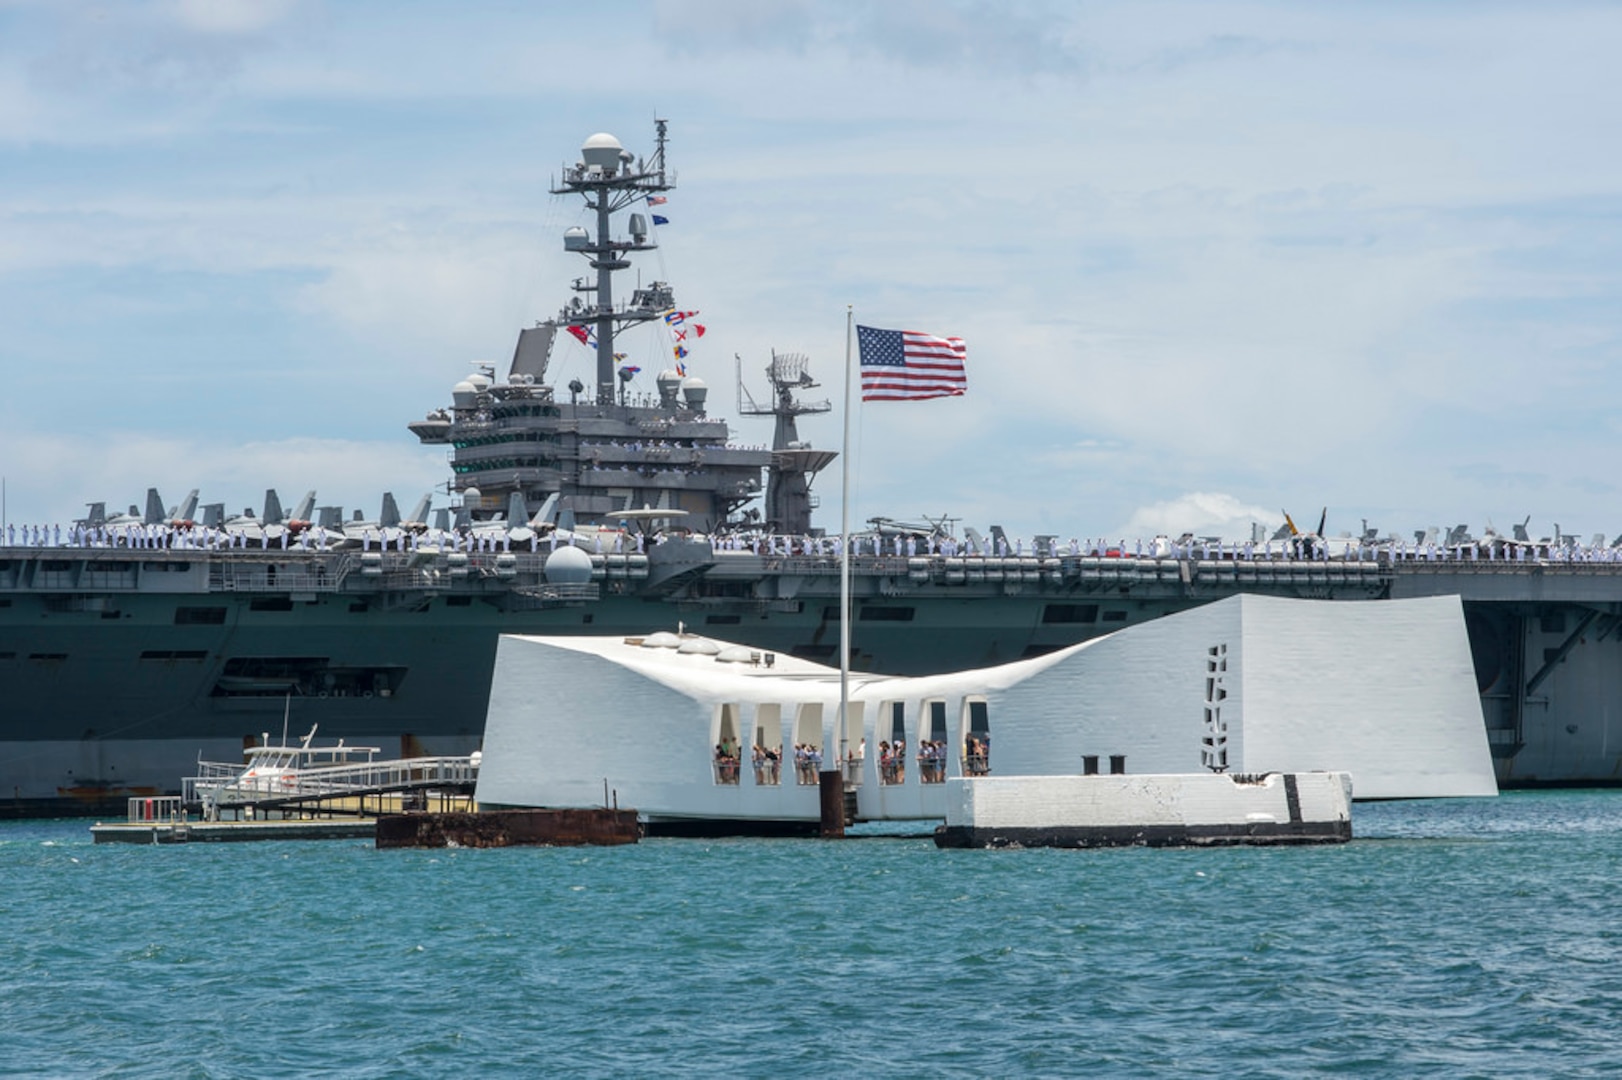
844 539
832 802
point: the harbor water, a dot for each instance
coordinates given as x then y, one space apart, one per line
1462 938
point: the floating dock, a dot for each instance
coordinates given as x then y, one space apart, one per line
1196 809
509 828
164 820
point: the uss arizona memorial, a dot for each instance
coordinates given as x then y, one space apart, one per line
1383 690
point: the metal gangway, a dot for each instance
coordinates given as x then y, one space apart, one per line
336 789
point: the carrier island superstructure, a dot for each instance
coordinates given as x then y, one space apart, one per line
121 664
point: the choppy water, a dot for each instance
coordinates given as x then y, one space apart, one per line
1452 938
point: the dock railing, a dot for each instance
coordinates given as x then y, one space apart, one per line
157 810
220 785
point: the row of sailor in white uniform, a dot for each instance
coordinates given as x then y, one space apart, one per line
317 538
1295 550
312 538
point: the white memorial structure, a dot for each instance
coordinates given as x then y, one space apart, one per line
703 735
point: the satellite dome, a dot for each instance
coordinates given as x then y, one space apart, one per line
480 381
699 646
669 384
603 150
696 391
568 566
463 393
663 639
736 654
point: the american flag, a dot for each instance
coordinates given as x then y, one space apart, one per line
904 365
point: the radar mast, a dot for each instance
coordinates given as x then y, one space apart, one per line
789 501
611 178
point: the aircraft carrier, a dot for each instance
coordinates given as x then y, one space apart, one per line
131 645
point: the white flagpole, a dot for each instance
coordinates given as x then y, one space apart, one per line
844 541
831 781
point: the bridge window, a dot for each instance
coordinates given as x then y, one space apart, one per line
932 744
849 744
893 744
808 743
726 745
766 753
977 744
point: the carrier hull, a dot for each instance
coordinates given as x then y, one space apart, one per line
116 674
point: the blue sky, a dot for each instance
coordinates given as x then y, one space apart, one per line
1212 260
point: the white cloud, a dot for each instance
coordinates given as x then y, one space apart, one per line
1203 513
229 17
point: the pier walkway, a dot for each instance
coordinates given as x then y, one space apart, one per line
354 788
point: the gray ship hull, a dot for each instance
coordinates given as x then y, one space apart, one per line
118 673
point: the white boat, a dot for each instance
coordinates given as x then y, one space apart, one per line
671 723
275 772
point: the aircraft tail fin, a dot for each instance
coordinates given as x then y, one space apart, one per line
389 516
188 507
419 513
273 507
154 508
517 513
213 515
548 512
305 507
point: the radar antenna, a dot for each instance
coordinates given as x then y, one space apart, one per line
789 501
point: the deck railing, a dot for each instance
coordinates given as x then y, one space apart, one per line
157 810
223 784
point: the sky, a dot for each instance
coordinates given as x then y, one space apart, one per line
1212 260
